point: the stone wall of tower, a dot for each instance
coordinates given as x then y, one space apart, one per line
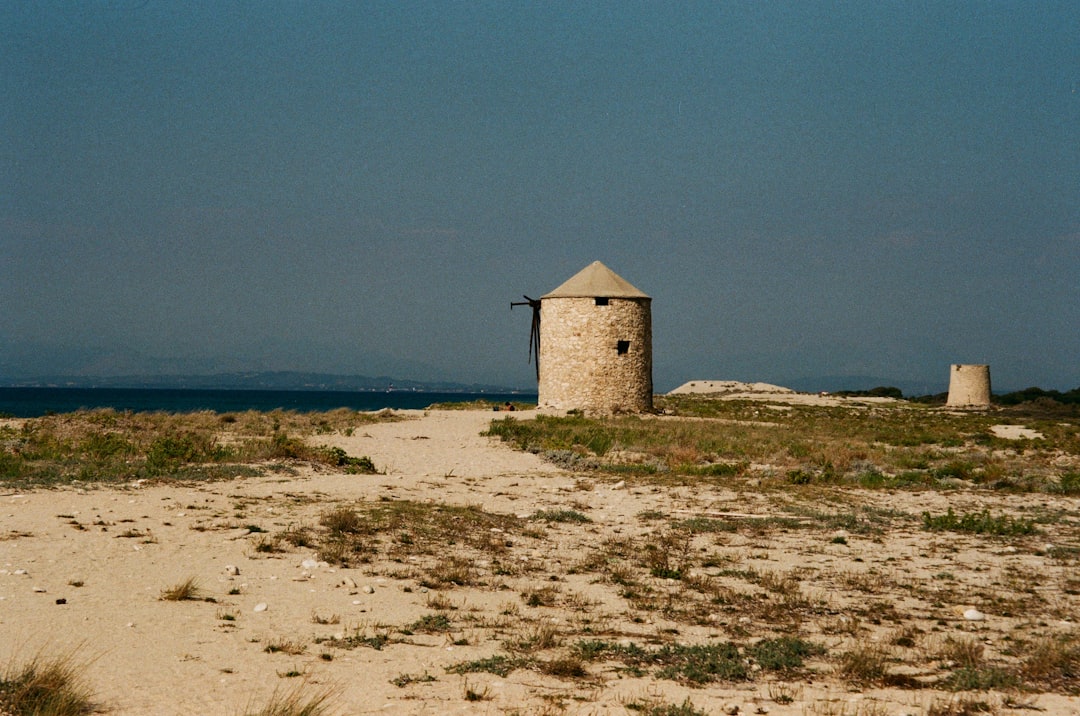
595 358
969 386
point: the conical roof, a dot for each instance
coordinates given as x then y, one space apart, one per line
596 280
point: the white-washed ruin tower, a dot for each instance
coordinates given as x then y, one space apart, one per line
595 350
969 386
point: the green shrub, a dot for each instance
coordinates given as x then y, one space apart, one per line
783 654
1069 483
12 467
431 624
701 663
284 447
353 465
103 445
500 665
978 523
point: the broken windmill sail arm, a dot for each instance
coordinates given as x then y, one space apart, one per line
534 332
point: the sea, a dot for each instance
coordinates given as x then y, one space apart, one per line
35 402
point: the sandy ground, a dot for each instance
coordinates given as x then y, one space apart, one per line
81 571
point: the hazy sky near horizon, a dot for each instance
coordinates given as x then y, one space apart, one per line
805 189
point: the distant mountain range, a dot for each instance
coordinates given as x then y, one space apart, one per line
255 380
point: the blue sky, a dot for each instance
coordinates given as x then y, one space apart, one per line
806 189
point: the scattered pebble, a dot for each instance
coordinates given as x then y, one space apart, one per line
974 615
368 589
260 607
19 571
39 590
310 563
619 485
232 569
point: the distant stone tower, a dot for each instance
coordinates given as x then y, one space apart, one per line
969 386
595 345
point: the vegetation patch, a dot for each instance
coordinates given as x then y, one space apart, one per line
982 523
560 516
901 445
113 447
403 529
703 663
500 665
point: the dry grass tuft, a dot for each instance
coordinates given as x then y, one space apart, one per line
188 590
960 706
1053 662
965 652
295 702
865 664
285 646
45 687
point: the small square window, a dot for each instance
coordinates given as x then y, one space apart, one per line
623 347
601 301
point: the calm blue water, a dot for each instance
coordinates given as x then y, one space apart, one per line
35 402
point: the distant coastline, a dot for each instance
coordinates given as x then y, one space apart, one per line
257 380
32 402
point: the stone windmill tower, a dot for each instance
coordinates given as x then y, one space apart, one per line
594 351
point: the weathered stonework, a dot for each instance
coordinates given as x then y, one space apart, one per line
969 386
596 350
